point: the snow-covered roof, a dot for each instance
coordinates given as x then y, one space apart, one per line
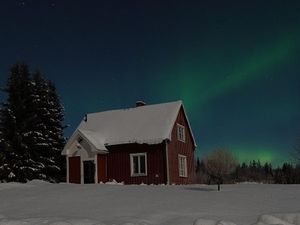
150 124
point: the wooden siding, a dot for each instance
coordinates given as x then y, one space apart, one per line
176 147
101 168
74 169
118 163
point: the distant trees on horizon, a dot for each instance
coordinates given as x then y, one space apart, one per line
296 153
254 171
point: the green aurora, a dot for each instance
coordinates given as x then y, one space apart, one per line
262 154
253 68
197 88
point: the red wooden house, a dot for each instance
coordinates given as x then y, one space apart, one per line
151 144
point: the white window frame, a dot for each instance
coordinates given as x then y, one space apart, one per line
182 168
139 166
179 136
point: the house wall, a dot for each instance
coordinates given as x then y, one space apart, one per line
102 168
118 163
186 148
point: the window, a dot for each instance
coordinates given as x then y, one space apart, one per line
79 140
180 133
182 166
82 143
138 164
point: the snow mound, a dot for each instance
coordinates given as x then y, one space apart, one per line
32 183
114 182
48 221
212 222
77 222
283 219
37 182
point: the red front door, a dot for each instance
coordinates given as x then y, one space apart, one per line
74 169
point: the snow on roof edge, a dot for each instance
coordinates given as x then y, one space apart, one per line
174 120
148 142
132 108
188 122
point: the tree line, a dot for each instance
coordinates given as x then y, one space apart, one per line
31 128
221 167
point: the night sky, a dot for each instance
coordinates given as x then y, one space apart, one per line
235 64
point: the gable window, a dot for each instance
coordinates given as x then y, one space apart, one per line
82 143
180 132
138 164
182 166
79 140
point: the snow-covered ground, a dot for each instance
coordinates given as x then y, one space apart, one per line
38 203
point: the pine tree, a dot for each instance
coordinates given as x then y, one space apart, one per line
296 152
17 164
31 130
34 135
46 134
268 171
54 123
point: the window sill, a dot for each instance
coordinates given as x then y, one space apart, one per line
183 176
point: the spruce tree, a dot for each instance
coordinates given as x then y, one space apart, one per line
31 128
17 164
53 116
36 136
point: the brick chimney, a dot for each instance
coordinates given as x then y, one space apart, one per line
139 103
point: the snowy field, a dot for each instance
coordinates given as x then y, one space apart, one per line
38 203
